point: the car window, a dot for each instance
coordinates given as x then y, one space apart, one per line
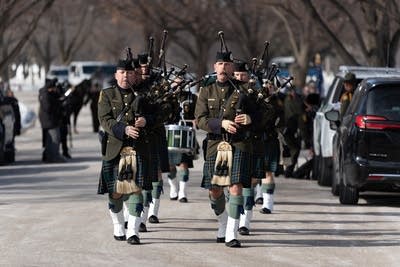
339 89
355 101
384 101
331 89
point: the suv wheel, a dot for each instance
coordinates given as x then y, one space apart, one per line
348 195
315 172
335 178
325 173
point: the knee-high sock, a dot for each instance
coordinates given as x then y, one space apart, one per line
268 195
183 177
173 187
154 207
258 191
118 222
182 189
147 198
222 221
235 209
248 196
155 203
126 211
218 206
133 226
231 229
135 204
117 212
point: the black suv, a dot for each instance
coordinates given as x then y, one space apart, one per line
368 140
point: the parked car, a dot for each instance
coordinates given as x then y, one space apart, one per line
322 133
10 126
368 139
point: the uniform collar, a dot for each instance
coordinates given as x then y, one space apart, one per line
225 84
124 91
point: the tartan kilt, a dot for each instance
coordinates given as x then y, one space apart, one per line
176 158
241 169
153 163
162 148
146 173
258 166
271 155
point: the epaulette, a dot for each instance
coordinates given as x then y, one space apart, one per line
102 91
209 80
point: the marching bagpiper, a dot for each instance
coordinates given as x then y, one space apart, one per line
225 113
123 114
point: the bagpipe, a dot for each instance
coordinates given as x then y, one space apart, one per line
162 89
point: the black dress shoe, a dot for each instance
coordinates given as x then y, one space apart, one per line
173 198
133 240
233 244
243 231
220 239
183 200
259 201
153 219
120 238
265 211
142 228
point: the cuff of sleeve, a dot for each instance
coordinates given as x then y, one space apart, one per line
215 125
119 130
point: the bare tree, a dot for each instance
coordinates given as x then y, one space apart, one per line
249 25
21 15
63 32
191 27
374 27
301 35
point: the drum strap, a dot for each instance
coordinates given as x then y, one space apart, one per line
223 165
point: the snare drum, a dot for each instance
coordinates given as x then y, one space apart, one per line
180 138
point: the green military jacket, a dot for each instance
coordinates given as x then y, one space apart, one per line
111 103
213 106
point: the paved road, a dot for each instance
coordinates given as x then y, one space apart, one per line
52 216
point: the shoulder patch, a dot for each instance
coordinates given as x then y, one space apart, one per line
209 80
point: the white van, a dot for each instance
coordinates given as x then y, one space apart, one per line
81 70
58 71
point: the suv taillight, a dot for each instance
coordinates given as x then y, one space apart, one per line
373 122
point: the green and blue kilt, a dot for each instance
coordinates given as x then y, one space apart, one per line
146 173
241 169
176 158
258 165
162 148
271 155
154 164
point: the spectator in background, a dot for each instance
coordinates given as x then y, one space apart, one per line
311 105
349 84
93 97
318 74
50 116
293 117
